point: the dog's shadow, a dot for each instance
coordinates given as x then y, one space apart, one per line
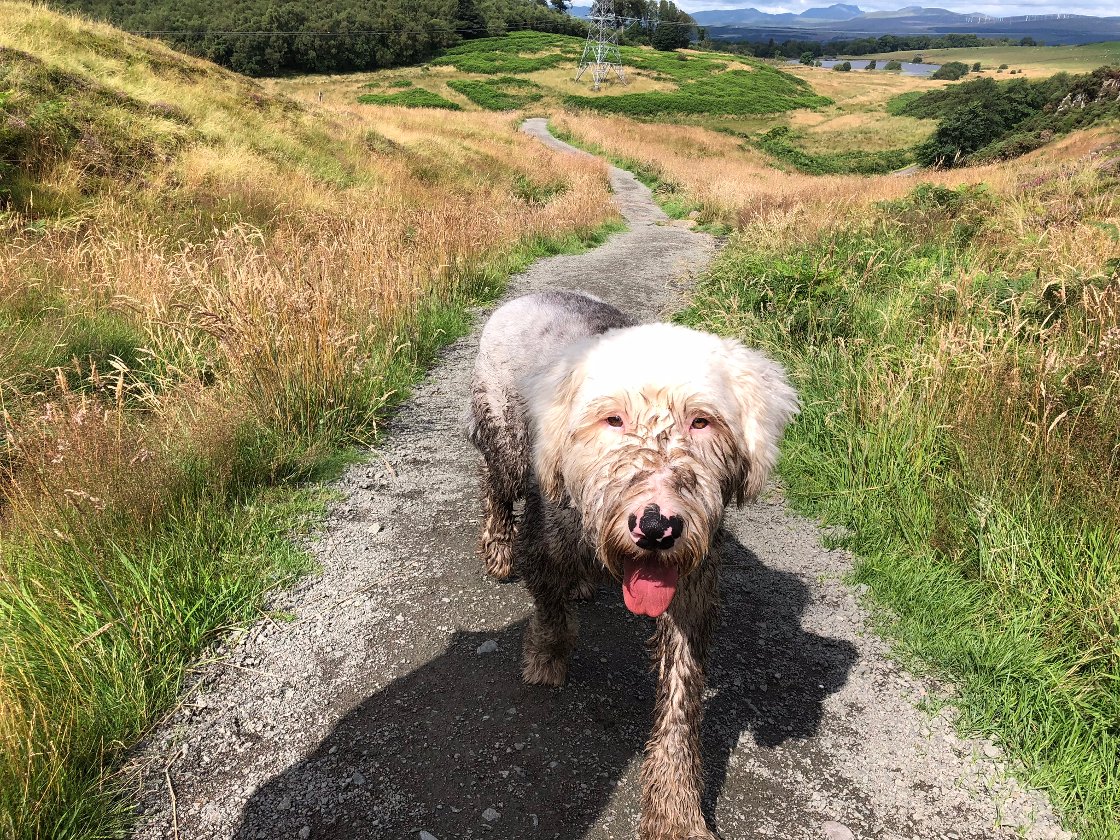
461 747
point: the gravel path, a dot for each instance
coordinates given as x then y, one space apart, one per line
393 707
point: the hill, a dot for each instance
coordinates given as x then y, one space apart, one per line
537 69
208 292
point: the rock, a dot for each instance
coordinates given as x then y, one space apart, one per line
210 813
836 831
424 835
358 779
284 804
489 646
305 832
375 528
992 751
695 214
490 815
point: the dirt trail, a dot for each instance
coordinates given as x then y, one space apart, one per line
393 707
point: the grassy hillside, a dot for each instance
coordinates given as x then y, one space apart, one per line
660 85
208 293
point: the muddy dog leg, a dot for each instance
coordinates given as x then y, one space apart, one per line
672 777
551 572
496 537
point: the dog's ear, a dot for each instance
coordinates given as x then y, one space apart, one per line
766 402
549 396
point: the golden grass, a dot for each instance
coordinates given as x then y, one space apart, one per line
221 319
734 184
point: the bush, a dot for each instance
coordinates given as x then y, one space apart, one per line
893 66
1008 118
496 94
808 59
1003 67
410 98
871 64
842 67
952 71
976 67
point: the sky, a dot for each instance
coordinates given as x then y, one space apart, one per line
998 8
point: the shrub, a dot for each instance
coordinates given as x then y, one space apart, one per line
952 71
495 94
893 66
1003 67
976 67
808 59
410 98
842 67
871 64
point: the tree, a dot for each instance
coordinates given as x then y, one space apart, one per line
561 5
894 65
843 66
665 36
871 64
1027 41
807 58
976 67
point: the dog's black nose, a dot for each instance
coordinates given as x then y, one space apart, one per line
655 530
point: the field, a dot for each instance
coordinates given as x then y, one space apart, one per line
1032 61
209 293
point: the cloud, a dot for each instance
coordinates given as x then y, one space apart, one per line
1103 8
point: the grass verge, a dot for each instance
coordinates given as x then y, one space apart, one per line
959 373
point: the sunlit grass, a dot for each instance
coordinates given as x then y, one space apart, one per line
209 293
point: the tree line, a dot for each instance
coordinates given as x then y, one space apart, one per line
267 38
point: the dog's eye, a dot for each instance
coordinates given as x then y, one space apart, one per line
614 421
700 423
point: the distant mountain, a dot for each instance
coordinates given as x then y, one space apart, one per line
837 11
845 21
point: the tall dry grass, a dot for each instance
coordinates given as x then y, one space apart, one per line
196 312
735 184
956 352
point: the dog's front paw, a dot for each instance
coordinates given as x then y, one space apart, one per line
540 670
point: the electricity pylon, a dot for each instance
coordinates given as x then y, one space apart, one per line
600 50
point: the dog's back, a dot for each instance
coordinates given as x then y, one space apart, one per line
521 338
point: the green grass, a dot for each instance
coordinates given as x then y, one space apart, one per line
506 93
410 98
705 85
516 53
776 142
761 90
993 545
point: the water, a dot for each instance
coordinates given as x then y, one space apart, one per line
909 68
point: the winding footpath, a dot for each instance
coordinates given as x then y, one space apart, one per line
392 705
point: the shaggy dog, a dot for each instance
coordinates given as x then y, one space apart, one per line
626 443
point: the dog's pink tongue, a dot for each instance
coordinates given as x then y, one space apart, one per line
648 587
